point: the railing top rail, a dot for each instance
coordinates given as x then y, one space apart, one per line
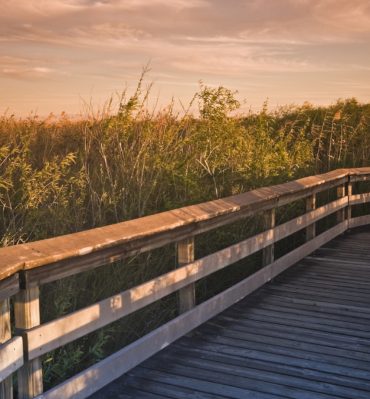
164 227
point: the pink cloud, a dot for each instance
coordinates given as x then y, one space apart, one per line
102 42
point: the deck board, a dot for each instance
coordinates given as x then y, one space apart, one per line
305 335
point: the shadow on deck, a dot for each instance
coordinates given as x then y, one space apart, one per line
306 335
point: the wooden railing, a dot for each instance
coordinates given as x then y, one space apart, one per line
24 268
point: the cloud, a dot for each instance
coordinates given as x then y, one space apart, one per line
185 40
195 36
72 22
26 68
348 17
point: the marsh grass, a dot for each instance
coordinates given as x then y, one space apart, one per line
62 176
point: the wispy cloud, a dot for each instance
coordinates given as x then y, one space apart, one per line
266 20
26 68
185 39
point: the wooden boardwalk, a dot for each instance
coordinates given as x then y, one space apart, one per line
306 335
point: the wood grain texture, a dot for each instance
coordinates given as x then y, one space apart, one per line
99 375
185 255
52 259
269 219
341 192
359 198
6 359
359 174
5 326
9 287
154 231
27 315
11 359
310 206
46 337
289 339
359 221
349 194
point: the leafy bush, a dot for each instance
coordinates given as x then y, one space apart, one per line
62 176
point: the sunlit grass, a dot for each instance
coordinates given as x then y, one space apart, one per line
64 175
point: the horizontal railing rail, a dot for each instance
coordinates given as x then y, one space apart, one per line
24 268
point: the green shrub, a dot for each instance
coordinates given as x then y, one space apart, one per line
63 176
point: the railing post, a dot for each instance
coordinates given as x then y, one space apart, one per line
185 255
341 214
27 315
349 208
6 387
269 223
310 206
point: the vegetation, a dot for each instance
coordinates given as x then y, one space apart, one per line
58 177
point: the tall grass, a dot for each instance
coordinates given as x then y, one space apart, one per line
62 176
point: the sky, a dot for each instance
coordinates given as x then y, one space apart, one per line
69 55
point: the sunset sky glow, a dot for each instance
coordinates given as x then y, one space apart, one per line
56 54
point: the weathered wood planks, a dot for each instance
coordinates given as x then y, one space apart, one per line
23 268
46 337
310 206
273 344
6 358
9 287
27 315
269 219
11 350
92 248
186 255
359 198
95 377
11 359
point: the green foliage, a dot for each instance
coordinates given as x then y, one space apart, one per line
57 177
216 103
37 202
